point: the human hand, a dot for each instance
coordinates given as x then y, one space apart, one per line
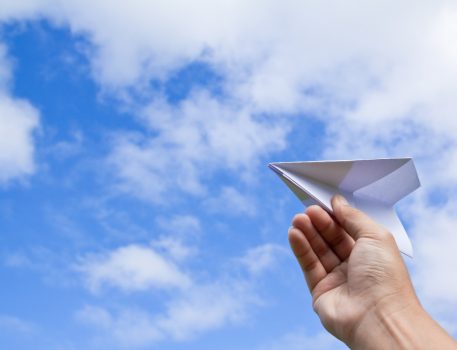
358 280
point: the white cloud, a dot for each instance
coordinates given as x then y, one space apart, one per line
273 55
180 236
207 307
174 248
180 225
360 67
201 307
130 47
18 122
68 148
431 228
262 257
130 328
22 9
435 238
131 268
231 201
349 62
192 140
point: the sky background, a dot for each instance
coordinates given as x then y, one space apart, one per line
136 206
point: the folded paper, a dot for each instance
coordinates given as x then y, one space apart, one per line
371 185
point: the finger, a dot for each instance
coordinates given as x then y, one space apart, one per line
325 254
355 222
310 264
335 236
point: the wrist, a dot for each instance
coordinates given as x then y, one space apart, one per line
406 326
391 325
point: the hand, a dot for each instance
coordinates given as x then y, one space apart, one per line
359 283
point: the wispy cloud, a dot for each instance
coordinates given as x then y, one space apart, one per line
10 323
131 268
230 201
207 307
262 257
201 309
202 306
183 225
435 242
183 145
128 328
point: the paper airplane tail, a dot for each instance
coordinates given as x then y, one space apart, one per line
391 222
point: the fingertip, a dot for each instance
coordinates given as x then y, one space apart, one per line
338 205
300 219
296 239
293 234
339 200
320 218
314 209
354 221
317 214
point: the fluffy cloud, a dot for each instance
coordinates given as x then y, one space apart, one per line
370 71
190 141
18 122
365 60
361 67
131 268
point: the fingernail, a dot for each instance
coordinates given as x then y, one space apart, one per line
341 200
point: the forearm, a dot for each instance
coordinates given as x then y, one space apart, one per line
409 328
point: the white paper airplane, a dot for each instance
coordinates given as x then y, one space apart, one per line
371 185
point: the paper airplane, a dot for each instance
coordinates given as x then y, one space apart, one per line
371 185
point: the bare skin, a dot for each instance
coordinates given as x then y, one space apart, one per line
360 285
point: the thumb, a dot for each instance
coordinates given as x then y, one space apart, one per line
356 223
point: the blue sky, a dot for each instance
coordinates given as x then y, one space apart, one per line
136 208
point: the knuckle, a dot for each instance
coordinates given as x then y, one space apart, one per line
316 306
336 239
351 212
327 226
385 235
320 249
309 265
